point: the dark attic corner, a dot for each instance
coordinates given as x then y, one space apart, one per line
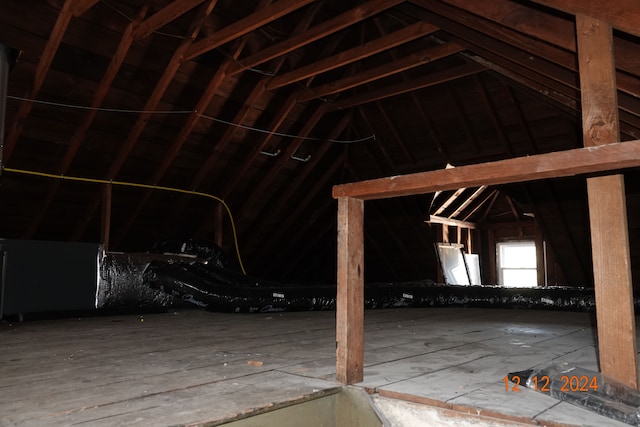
465 167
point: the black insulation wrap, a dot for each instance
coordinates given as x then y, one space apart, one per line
218 289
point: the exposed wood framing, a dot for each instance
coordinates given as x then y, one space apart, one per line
161 18
431 79
49 52
389 41
541 166
453 222
106 216
239 28
350 297
395 67
119 55
218 225
621 14
350 301
317 32
151 104
607 206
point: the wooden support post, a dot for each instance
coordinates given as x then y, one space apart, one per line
218 225
607 206
445 233
350 298
106 217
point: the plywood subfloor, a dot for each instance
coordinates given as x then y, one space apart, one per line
192 367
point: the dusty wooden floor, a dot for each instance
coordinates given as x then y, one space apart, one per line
191 367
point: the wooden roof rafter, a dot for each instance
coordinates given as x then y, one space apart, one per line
285 156
388 41
398 66
425 81
271 212
151 105
48 53
127 39
259 18
317 32
168 14
558 33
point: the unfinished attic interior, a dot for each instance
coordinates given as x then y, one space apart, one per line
471 168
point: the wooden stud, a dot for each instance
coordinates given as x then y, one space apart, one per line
350 298
607 206
106 216
445 233
218 226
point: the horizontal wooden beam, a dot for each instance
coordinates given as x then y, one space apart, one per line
621 14
433 219
550 165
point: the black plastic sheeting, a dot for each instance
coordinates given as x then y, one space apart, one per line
199 273
218 289
582 387
121 284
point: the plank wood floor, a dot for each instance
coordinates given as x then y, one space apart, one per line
191 367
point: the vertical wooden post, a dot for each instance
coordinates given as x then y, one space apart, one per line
607 206
445 233
218 221
106 217
350 297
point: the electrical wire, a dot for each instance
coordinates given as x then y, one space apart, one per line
137 185
222 52
238 125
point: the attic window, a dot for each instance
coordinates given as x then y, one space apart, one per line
517 264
